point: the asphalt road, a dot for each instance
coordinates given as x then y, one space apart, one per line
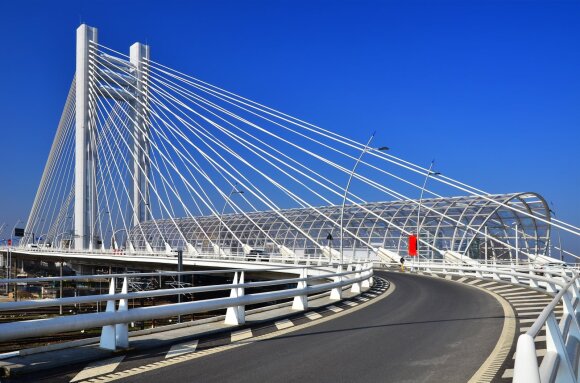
427 330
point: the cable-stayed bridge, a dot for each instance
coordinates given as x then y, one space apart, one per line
148 161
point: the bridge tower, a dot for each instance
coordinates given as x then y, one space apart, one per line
85 182
115 84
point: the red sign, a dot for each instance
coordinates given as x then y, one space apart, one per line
413 245
9 242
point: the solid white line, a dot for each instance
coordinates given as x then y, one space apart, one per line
180 349
281 325
99 368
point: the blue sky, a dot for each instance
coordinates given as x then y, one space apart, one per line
490 89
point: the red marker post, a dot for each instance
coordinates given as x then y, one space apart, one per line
413 245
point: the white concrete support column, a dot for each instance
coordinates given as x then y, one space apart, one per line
108 337
122 329
301 301
366 284
85 185
139 58
356 287
336 293
236 315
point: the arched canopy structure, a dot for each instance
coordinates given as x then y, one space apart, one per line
468 225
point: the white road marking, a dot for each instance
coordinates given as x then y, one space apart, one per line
474 281
488 284
531 299
363 299
241 335
462 279
180 349
509 290
448 277
280 325
334 309
99 368
352 304
518 293
313 315
536 304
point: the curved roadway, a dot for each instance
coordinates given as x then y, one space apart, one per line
427 330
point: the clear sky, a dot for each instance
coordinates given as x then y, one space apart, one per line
490 89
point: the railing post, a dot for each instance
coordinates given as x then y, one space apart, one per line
366 284
526 367
356 287
108 339
555 344
301 301
533 282
336 293
122 329
236 315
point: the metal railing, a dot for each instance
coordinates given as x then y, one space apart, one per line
273 258
562 359
114 320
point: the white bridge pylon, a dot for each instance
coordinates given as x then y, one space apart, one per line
149 159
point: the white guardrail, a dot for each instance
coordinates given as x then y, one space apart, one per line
276 258
114 320
562 359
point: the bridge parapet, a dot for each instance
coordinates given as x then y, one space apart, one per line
309 280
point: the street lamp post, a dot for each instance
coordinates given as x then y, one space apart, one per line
429 173
227 199
365 149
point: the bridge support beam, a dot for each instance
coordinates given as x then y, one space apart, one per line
85 186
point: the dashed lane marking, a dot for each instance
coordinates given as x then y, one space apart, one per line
98 368
180 349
